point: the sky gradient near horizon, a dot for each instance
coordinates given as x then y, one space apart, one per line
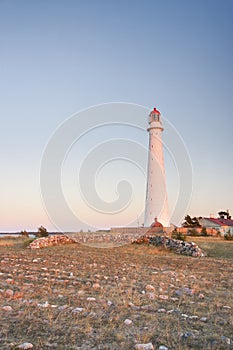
60 57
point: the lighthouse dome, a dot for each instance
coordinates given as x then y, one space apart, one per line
156 223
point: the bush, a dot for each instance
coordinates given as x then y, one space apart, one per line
228 236
42 232
28 241
193 232
204 232
178 235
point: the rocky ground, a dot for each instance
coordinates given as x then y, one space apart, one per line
130 297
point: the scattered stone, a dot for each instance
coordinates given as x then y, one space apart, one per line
227 340
162 347
203 319
163 297
10 281
9 293
193 317
151 296
46 304
91 299
81 292
18 295
96 286
135 307
51 345
201 296
7 308
25 346
188 291
150 288
77 310
174 299
148 346
187 335
62 307
128 322
182 291
162 310
170 311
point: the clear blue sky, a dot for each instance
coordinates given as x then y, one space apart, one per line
58 57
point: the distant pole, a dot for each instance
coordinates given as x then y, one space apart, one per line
137 224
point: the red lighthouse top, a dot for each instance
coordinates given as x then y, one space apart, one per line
156 111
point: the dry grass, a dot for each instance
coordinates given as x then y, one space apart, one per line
10 240
66 276
215 247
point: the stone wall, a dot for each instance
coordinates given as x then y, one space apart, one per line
136 230
129 230
117 238
175 245
50 241
83 238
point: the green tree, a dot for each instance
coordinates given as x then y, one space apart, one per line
24 233
42 232
191 222
222 214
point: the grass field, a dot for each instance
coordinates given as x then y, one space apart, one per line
78 297
215 247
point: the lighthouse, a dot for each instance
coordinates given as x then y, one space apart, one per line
156 192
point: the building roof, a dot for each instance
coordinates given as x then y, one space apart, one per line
156 223
155 111
221 222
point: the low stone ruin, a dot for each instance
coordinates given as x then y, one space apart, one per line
175 245
50 241
93 237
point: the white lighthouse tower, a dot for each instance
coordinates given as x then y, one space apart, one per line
156 193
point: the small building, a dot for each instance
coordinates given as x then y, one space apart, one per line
222 225
156 228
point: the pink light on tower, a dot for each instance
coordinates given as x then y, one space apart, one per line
156 192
